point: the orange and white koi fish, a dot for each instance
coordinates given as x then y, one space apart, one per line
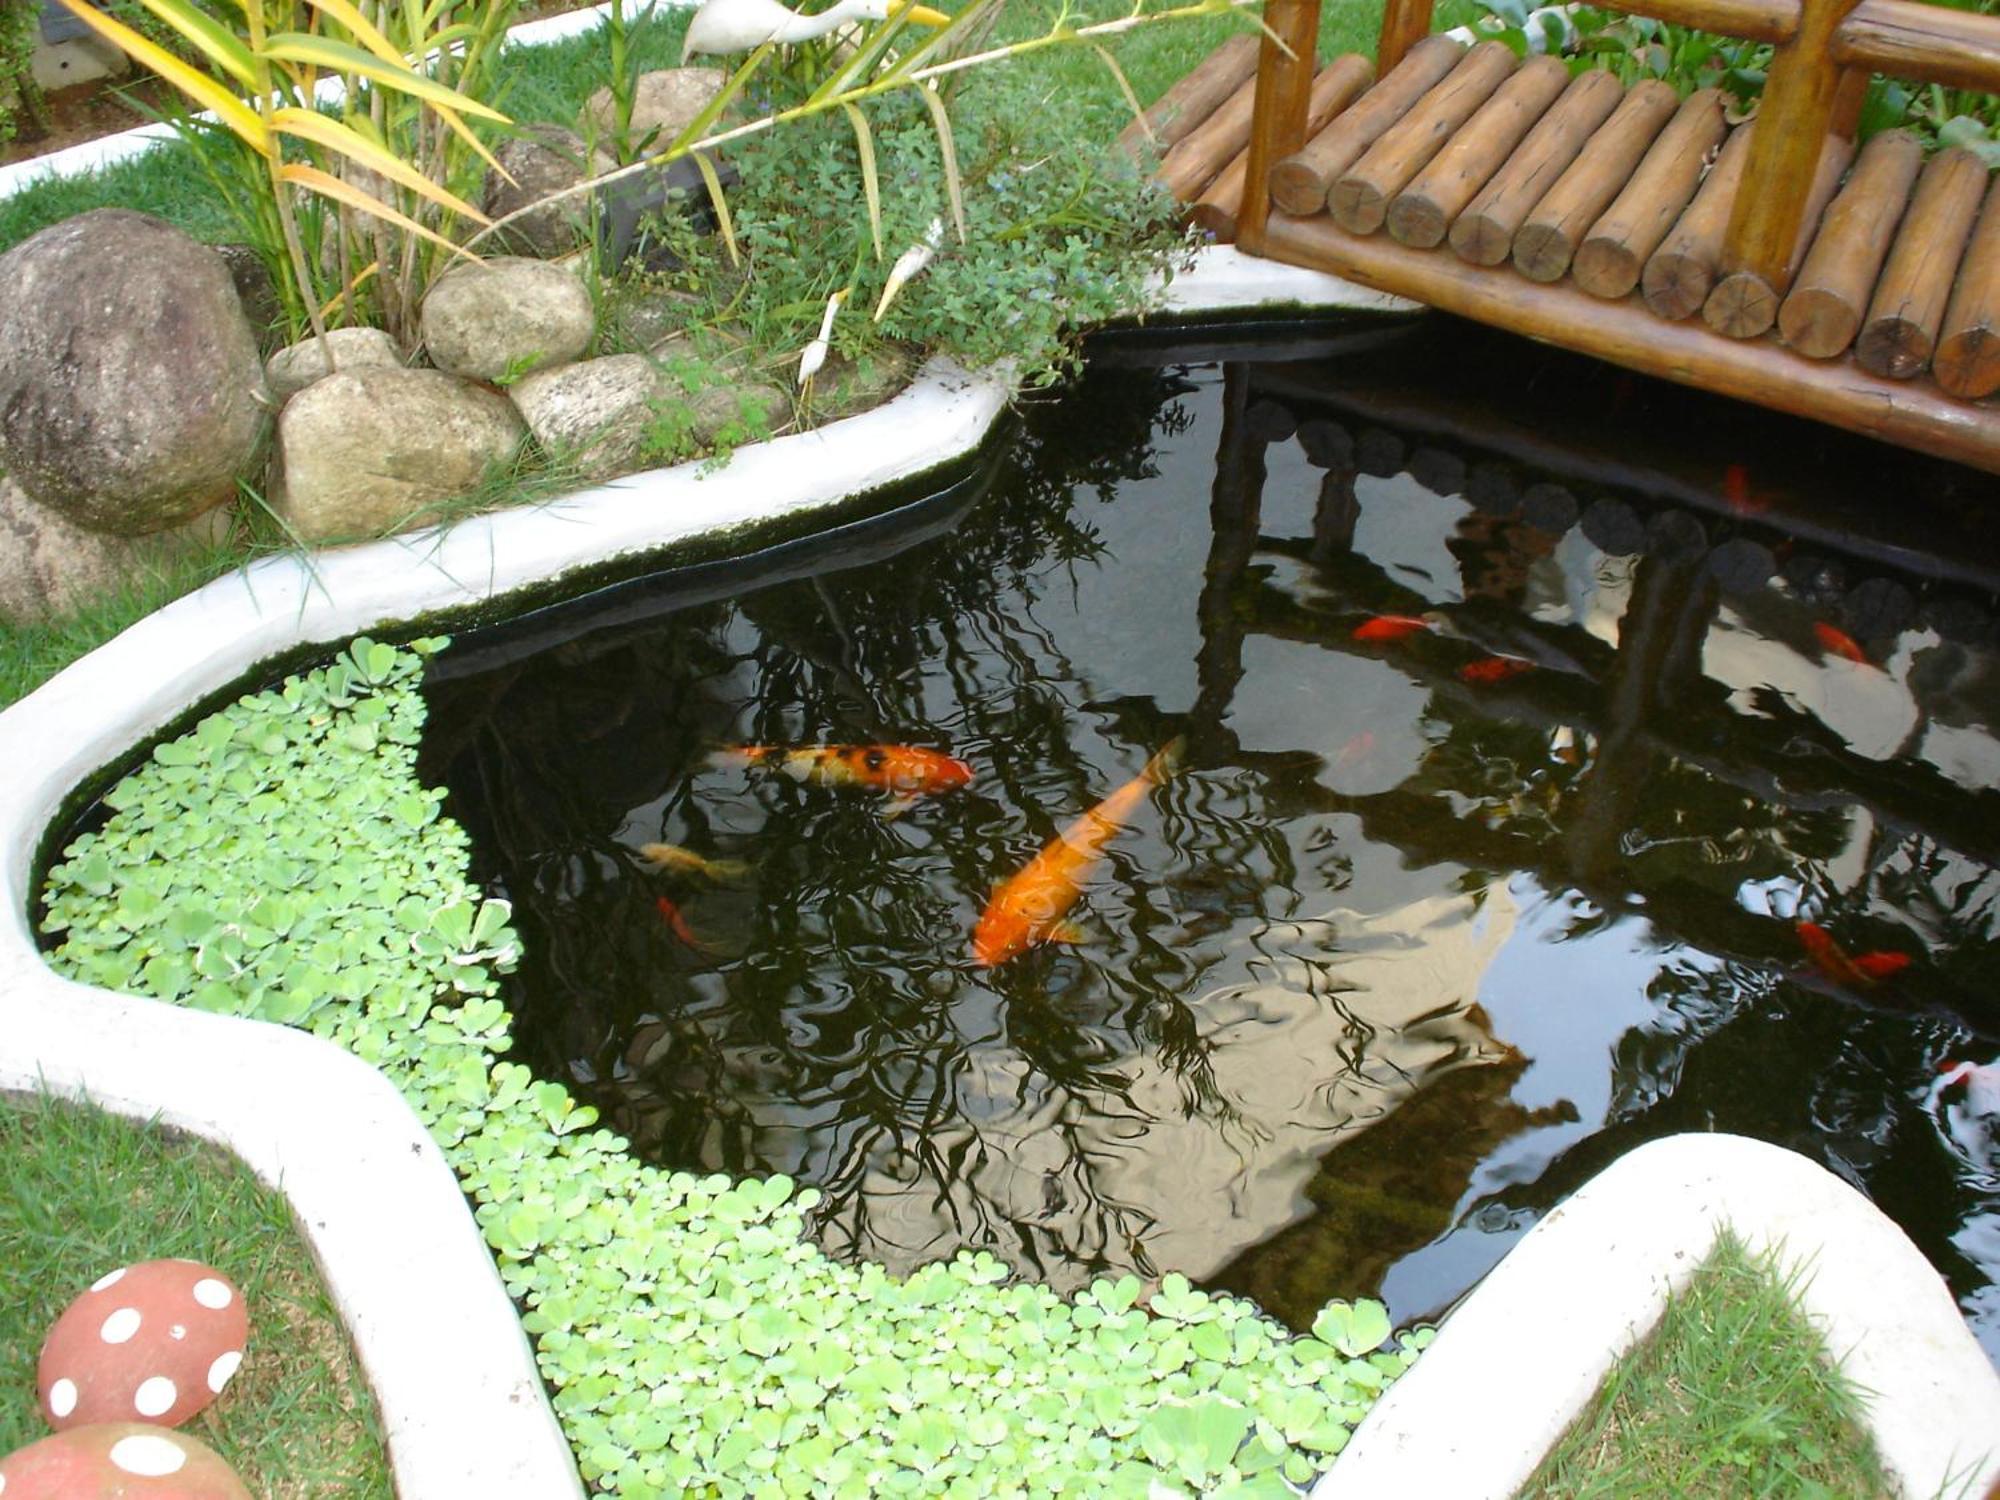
1031 907
1863 970
904 772
687 862
1391 627
1837 642
1491 669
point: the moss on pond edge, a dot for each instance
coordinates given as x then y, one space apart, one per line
281 861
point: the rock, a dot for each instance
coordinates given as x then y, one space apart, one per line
258 292
500 319
156 1342
729 415
596 412
544 160
49 567
119 1461
131 395
664 103
297 366
364 450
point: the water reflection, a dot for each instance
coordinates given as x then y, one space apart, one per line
1399 957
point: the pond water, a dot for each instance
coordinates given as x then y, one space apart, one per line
1423 931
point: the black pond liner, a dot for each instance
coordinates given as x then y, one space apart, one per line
826 1020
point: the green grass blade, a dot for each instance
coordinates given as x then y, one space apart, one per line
1124 87
723 225
871 185
942 42
953 185
698 126
343 57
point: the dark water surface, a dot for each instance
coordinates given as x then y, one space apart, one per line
1399 958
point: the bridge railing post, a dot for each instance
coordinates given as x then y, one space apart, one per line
1278 117
1404 24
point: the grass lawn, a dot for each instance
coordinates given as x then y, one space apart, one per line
83 1192
1731 1396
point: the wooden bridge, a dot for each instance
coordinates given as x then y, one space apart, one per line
1772 262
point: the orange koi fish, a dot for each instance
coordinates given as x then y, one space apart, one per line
1491 669
1030 907
1737 492
1837 642
1390 627
905 772
1863 970
676 923
686 861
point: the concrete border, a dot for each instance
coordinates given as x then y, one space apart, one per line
1523 1356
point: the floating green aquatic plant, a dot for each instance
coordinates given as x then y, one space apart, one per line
282 861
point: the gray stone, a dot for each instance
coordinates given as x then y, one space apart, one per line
739 413
364 451
259 294
297 366
502 318
595 413
131 394
544 160
664 103
50 566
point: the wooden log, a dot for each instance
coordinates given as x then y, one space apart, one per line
1337 86
1756 20
1967 362
1678 274
1421 213
1300 181
1744 304
1910 297
1204 151
1822 312
1959 49
1484 233
1913 414
1278 113
1554 228
1614 252
1194 98
1405 24
1359 199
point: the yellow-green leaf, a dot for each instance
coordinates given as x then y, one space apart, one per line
719 203
328 186
1125 88
362 29
344 57
197 85
948 153
871 186
309 125
213 40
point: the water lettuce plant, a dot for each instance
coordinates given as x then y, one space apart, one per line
281 860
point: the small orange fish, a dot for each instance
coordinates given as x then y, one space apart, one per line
1356 750
905 772
1030 907
1837 642
686 861
676 923
1737 492
1491 669
1863 970
1390 627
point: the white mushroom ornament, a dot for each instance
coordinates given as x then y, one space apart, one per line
724 26
153 1342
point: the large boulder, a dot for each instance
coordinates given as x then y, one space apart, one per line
544 159
297 366
664 103
596 414
500 319
364 452
50 566
131 394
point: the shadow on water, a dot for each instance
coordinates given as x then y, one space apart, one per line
1426 930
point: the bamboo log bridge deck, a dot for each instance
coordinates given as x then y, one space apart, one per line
1771 262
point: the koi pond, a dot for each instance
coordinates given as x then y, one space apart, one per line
1553 760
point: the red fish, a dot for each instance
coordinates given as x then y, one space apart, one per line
1737 492
905 772
1030 907
1837 642
1491 669
1863 970
1357 749
1390 627
676 923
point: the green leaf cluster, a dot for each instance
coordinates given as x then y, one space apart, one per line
281 860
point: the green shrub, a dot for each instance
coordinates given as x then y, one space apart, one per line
281 861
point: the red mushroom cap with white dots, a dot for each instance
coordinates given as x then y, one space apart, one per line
154 1342
118 1461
